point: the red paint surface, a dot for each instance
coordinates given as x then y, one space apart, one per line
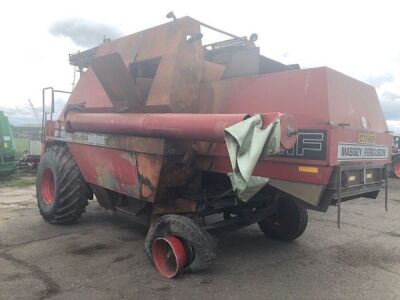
198 127
169 256
110 168
279 170
350 135
287 168
319 96
50 127
47 187
88 90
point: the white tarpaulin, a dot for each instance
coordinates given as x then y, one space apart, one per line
247 143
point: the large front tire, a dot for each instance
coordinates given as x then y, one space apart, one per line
61 191
288 223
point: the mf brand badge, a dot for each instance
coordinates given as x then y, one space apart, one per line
361 152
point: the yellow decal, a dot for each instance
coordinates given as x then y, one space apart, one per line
306 169
366 138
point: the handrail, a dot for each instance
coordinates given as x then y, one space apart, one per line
44 114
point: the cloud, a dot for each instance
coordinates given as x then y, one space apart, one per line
378 80
394 126
390 103
389 96
84 33
23 114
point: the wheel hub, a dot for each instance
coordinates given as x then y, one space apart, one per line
169 256
48 187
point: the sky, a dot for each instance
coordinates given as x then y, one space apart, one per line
358 38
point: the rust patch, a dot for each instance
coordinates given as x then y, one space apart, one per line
147 191
149 168
136 144
106 179
110 168
174 206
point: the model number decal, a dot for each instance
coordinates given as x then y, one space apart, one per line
348 151
366 138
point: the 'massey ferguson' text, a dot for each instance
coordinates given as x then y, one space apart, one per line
357 151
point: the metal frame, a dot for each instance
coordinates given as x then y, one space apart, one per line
340 188
218 30
44 114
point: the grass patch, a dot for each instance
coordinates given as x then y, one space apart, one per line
19 179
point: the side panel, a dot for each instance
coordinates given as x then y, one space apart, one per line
333 111
291 92
110 168
361 151
354 103
272 169
307 162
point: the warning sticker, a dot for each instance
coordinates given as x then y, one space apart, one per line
358 151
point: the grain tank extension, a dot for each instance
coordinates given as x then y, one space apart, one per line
194 140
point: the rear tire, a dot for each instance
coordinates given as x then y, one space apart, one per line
200 244
289 222
61 191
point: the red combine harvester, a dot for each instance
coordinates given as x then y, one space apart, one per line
169 132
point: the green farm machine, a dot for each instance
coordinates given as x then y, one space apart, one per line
7 147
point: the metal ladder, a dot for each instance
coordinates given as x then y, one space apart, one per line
48 116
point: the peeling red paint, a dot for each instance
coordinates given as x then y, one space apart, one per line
110 168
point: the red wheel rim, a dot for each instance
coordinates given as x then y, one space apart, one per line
396 169
169 256
47 187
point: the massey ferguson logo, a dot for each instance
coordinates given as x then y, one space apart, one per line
349 151
311 144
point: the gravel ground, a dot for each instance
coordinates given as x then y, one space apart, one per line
102 257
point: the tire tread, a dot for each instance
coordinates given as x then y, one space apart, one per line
203 244
73 192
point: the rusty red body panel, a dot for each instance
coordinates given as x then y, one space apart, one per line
318 96
113 169
338 108
197 127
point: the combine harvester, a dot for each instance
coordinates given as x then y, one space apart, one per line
167 132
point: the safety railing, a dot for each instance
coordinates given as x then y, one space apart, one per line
48 116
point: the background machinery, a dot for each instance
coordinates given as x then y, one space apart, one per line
194 140
7 147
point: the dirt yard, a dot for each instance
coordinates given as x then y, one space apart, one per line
102 257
